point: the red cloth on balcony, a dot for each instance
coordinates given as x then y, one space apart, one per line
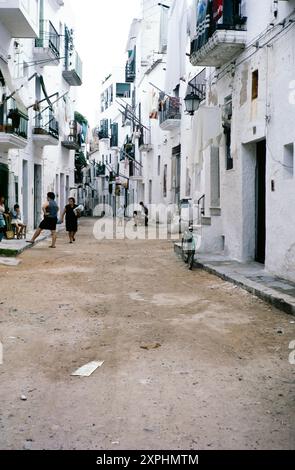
217 9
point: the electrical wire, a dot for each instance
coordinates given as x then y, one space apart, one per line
253 43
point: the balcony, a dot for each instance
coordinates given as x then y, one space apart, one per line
46 130
47 46
135 171
71 142
20 17
128 150
13 126
145 142
220 36
170 113
73 70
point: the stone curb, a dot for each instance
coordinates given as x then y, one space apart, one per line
285 303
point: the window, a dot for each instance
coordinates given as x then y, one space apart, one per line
165 181
159 165
123 90
110 158
103 159
255 82
288 161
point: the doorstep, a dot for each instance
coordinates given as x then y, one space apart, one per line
13 248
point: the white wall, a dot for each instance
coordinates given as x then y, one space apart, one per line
54 160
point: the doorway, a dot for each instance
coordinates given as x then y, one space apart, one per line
260 201
176 174
37 195
4 182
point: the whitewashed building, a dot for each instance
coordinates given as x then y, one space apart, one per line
243 160
232 156
39 67
114 133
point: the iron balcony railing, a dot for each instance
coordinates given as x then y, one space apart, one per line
71 141
198 85
13 120
229 18
170 108
100 169
49 37
145 138
128 150
73 69
46 124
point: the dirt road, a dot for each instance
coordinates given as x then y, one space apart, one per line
219 378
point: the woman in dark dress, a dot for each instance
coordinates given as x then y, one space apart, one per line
71 219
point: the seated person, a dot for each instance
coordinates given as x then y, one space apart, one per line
17 221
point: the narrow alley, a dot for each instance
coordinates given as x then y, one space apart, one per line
190 361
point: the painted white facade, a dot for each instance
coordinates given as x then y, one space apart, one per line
40 163
237 151
115 94
259 115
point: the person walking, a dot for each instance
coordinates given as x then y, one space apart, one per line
146 213
50 210
71 219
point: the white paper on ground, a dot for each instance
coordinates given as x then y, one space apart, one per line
88 369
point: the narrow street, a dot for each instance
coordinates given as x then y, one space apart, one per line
215 372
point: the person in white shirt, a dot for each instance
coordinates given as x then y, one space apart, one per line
17 221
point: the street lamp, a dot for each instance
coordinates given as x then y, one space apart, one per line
192 103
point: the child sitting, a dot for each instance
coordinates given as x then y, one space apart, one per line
17 221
